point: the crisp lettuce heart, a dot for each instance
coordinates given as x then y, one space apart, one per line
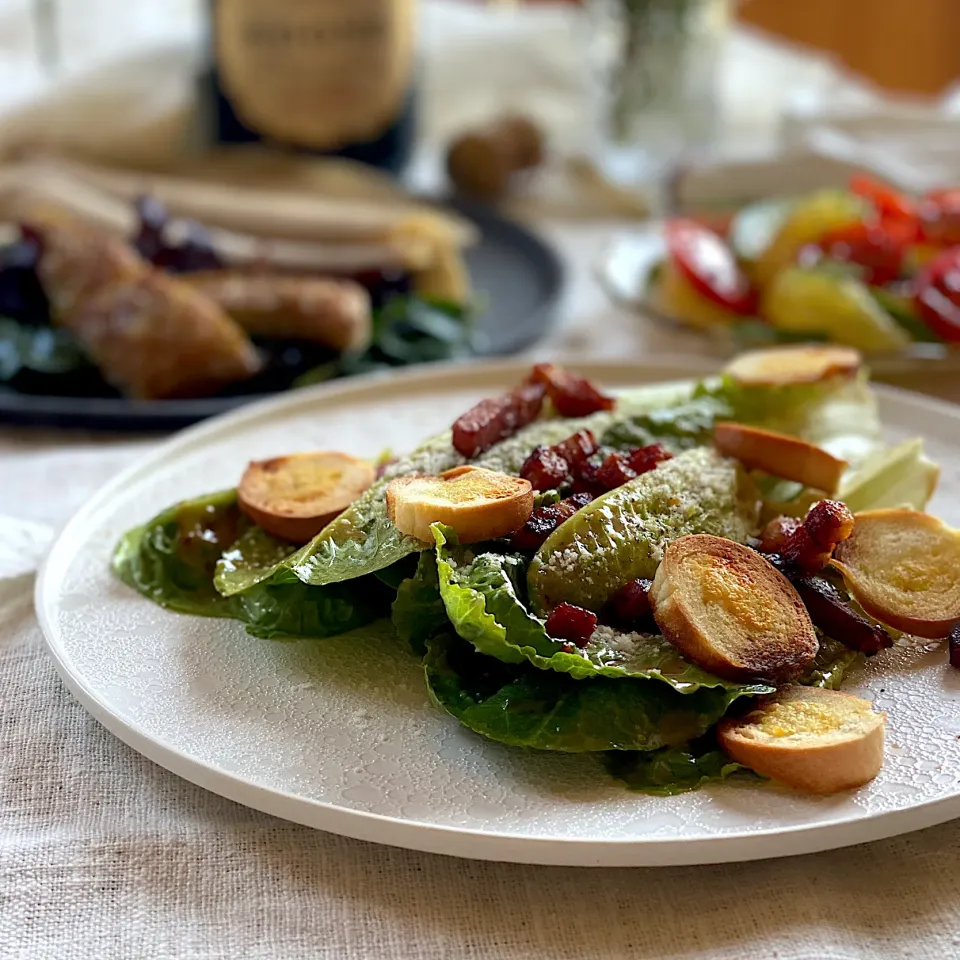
621 535
897 477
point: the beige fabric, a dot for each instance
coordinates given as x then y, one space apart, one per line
105 855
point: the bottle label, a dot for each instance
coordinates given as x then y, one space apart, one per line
320 74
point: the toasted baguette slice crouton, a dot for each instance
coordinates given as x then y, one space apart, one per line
779 455
731 612
817 740
295 497
786 366
903 567
478 504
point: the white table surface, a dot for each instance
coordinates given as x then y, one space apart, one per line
103 854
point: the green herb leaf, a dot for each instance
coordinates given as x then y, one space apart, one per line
37 349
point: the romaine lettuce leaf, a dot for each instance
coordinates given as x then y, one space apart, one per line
673 770
831 665
482 594
897 477
681 426
246 561
173 558
837 414
621 535
520 705
418 612
363 540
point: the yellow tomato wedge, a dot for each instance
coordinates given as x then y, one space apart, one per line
820 303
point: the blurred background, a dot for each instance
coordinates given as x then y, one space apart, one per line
504 173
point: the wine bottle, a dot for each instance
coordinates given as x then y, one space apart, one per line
328 76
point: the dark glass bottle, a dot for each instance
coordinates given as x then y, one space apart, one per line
333 77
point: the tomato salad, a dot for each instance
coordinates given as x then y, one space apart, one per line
866 266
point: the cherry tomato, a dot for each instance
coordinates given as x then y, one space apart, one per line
888 203
710 266
938 295
940 217
876 248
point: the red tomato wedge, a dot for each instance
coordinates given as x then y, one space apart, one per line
710 266
938 295
877 248
888 203
940 217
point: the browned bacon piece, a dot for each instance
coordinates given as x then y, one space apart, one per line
954 641
496 419
776 533
838 619
570 622
572 396
544 520
546 469
809 548
630 606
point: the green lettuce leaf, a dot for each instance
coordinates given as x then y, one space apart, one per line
621 535
673 770
363 540
402 570
831 665
838 414
482 595
681 426
249 560
173 559
418 612
522 706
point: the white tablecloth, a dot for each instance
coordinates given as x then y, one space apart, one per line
105 855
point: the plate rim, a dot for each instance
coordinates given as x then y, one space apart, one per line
470 843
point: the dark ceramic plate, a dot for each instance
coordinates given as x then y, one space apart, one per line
517 276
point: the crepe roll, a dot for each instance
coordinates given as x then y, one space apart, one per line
151 334
331 312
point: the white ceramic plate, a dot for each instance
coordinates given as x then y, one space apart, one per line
340 734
